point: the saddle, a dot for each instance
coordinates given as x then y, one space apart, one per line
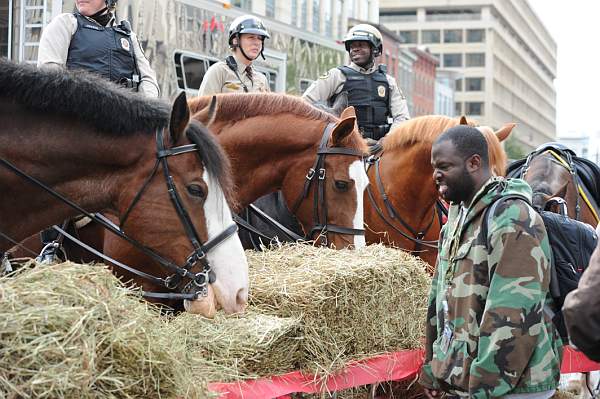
587 171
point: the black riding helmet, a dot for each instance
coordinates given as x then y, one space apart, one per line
247 24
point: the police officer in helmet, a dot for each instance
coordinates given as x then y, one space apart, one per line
90 39
379 103
247 36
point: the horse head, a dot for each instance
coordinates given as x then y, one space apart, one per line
280 142
189 218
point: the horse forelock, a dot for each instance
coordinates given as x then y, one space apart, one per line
213 158
81 96
234 107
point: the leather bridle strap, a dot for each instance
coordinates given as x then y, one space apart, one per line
394 214
320 224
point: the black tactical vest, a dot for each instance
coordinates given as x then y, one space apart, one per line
107 51
370 96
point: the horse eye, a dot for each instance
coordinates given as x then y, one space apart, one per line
341 185
196 190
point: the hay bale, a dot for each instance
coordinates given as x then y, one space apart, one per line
352 304
74 331
239 346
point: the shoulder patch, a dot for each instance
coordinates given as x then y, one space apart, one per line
324 76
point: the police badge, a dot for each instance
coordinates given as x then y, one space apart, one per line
381 91
125 44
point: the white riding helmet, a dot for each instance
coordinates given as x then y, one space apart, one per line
367 33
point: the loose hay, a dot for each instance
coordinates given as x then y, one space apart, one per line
75 331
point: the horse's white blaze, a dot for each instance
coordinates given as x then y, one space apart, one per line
228 259
361 180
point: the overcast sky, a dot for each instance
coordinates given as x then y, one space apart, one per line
575 26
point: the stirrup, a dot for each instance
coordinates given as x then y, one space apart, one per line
48 254
5 266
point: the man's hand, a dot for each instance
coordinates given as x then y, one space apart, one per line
432 393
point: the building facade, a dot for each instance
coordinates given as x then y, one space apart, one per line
445 86
182 38
423 91
506 56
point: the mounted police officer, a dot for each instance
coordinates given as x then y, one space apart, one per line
379 103
247 36
89 39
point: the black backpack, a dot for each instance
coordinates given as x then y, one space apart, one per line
572 243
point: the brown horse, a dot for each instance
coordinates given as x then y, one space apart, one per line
400 205
101 148
551 173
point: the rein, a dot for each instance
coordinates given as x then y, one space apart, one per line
320 225
393 214
198 284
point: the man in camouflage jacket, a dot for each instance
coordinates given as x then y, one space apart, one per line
488 334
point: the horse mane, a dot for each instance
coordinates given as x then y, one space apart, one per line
233 107
81 96
425 129
213 158
422 129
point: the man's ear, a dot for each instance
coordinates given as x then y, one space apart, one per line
474 163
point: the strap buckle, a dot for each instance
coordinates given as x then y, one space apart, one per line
322 174
310 174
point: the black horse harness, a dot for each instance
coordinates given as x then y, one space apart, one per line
197 285
393 214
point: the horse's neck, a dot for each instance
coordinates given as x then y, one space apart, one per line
80 165
261 158
407 176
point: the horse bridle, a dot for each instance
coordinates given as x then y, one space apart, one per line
393 214
317 174
198 282
565 159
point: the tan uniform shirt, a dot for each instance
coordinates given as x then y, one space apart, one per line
221 79
333 81
54 49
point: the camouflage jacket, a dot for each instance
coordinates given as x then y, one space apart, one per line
487 333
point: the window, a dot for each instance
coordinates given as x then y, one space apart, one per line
475 35
458 109
474 108
294 13
458 84
190 69
408 36
430 36
316 17
453 15
453 36
304 11
304 84
474 84
245 4
397 16
4 18
476 60
270 8
453 60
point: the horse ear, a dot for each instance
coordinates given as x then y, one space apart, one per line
343 129
505 131
180 117
207 114
348 113
463 120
